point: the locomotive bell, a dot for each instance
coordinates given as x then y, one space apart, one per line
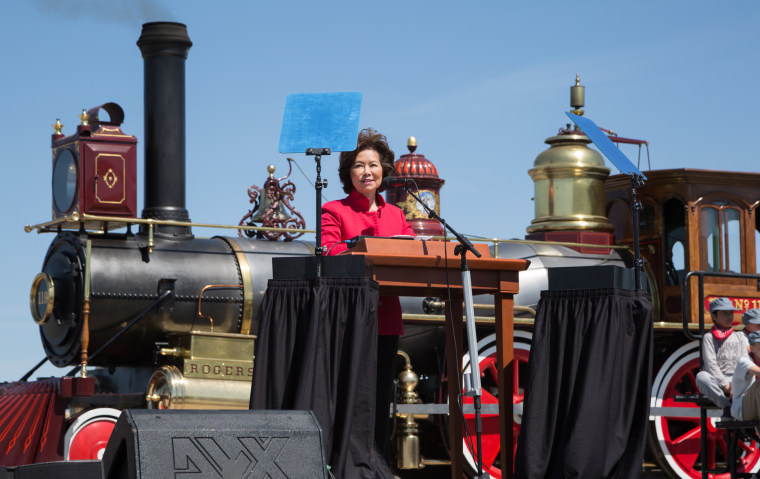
263 212
569 182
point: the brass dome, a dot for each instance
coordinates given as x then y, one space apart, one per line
569 186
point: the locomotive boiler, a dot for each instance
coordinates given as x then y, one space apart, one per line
165 319
223 278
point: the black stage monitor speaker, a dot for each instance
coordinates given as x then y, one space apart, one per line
152 444
54 470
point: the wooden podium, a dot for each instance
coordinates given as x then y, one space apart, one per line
410 267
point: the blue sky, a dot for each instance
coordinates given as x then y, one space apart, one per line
480 84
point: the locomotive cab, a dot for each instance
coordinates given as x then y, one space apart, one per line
693 220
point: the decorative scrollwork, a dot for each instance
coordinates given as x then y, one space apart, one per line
272 209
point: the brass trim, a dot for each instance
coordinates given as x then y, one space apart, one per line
497 241
410 206
486 320
213 334
200 299
569 171
479 320
57 127
123 183
51 227
110 131
245 275
574 222
34 300
120 221
517 307
487 307
170 388
110 179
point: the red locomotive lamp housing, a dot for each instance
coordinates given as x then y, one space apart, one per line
425 174
95 170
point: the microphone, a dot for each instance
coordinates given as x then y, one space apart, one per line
396 181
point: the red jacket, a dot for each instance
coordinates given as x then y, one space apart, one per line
350 217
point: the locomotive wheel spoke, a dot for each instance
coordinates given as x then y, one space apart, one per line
686 446
747 448
489 374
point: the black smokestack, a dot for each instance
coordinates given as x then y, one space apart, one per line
164 47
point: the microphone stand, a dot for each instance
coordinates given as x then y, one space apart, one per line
472 385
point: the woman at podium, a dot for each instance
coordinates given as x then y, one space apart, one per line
364 212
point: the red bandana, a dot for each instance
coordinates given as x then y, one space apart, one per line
721 333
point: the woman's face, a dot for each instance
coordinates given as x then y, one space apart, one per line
367 173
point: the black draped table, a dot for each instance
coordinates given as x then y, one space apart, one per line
286 375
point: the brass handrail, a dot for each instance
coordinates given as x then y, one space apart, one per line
213 286
47 227
77 218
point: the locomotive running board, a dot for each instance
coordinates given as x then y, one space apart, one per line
682 412
444 408
433 409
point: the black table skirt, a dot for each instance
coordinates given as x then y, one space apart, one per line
587 396
317 350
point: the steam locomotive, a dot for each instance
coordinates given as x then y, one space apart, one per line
155 317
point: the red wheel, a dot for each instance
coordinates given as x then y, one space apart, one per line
677 440
490 422
88 436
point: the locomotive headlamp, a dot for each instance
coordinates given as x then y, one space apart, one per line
64 180
42 298
94 170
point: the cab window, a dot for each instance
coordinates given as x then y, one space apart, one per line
757 242
721 238
674 225
646 218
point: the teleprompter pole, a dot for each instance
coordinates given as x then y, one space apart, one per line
319 184
636 181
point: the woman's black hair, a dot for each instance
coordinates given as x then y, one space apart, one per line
369 139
